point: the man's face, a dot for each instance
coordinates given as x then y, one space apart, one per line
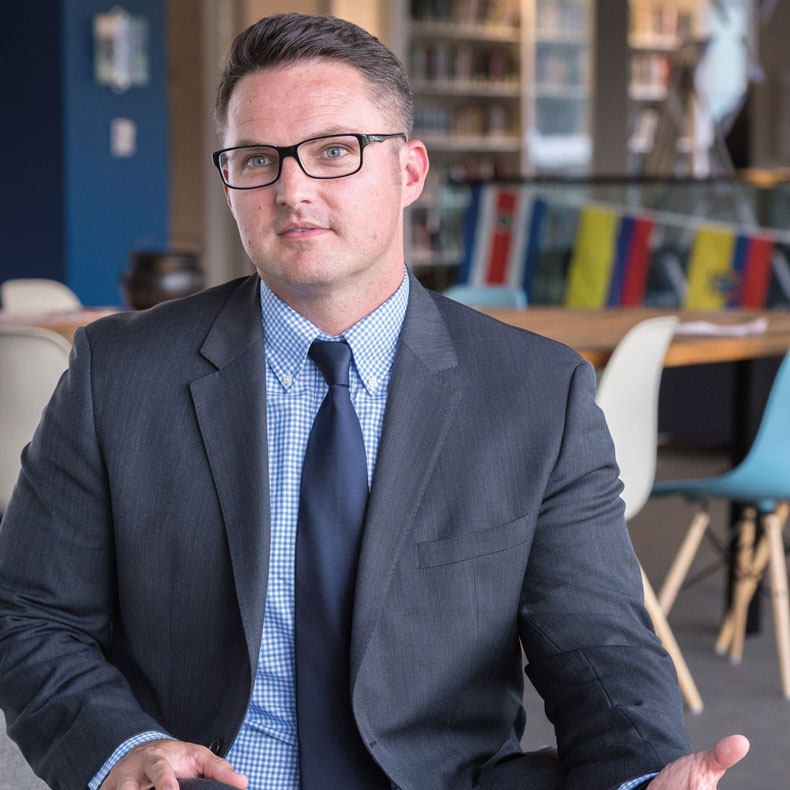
310 238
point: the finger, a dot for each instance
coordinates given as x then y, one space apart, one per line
220 770
161 774
727 752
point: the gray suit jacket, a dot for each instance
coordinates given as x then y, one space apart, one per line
133 555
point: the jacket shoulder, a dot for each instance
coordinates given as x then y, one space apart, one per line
189 314
479 332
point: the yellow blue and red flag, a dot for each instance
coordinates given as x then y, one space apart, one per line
728 270
610 259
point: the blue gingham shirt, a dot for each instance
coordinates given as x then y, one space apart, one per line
266 748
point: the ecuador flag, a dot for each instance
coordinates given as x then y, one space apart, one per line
726 270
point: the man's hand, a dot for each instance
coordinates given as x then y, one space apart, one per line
702 771
161 763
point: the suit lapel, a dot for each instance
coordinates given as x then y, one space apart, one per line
230 404
422 399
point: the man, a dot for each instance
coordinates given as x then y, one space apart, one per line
154 610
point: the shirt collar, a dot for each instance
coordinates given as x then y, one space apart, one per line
288 335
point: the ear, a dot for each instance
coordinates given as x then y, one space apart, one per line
227 198
414 158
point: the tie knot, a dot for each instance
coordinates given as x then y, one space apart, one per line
333 359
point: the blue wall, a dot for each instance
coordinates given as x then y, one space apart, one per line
81 210
32 229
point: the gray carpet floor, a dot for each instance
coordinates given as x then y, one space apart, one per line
746 698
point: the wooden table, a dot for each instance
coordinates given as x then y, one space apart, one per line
595 333
65 324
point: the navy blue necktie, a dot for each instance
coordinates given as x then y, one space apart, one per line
332 503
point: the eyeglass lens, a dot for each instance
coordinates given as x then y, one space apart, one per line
328 157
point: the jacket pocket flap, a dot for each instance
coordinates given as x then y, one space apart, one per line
473 544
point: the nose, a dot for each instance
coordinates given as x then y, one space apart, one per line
294 185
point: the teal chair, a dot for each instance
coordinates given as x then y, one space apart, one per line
488 295
761 483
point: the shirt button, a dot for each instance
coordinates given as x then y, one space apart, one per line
373 382
287 380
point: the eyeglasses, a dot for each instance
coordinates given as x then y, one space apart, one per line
329 156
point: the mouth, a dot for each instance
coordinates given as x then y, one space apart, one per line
300 230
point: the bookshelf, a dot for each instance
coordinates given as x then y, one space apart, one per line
559 36
501 88
658 32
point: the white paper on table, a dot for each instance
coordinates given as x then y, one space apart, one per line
757 326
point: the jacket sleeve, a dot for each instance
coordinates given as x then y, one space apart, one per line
609 687
65 705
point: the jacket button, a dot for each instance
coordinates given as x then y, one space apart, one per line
216 745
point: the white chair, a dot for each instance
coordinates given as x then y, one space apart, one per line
628 396
37 296
31 362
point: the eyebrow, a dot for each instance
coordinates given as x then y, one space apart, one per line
245 141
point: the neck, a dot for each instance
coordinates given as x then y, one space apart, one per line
334 310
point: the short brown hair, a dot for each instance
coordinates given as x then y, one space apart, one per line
286 39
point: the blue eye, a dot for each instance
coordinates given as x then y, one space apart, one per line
335 152
259 160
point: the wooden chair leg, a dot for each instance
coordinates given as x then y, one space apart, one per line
683 559
770 549
686 682
746 577
781 607
734 628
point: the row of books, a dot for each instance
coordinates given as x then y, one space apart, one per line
650 70
566 15
462 121
468 12
441 61
553 68
651 19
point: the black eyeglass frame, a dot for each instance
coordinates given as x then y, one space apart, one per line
284 151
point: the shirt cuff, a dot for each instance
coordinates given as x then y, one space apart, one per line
121 752
634 784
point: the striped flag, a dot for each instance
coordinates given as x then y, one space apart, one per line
728 270
753 263
502 236
610 260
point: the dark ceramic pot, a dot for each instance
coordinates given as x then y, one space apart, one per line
154 276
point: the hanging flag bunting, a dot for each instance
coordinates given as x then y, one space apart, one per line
502 236
632 262
592 259
710 277
728 270
754 267
610 259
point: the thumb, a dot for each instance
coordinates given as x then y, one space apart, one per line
727 752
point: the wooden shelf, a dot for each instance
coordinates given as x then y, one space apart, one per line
477 88
654 43
448 142
452 31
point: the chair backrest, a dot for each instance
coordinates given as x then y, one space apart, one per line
37 296
628 396
31 362
766 468
488 295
